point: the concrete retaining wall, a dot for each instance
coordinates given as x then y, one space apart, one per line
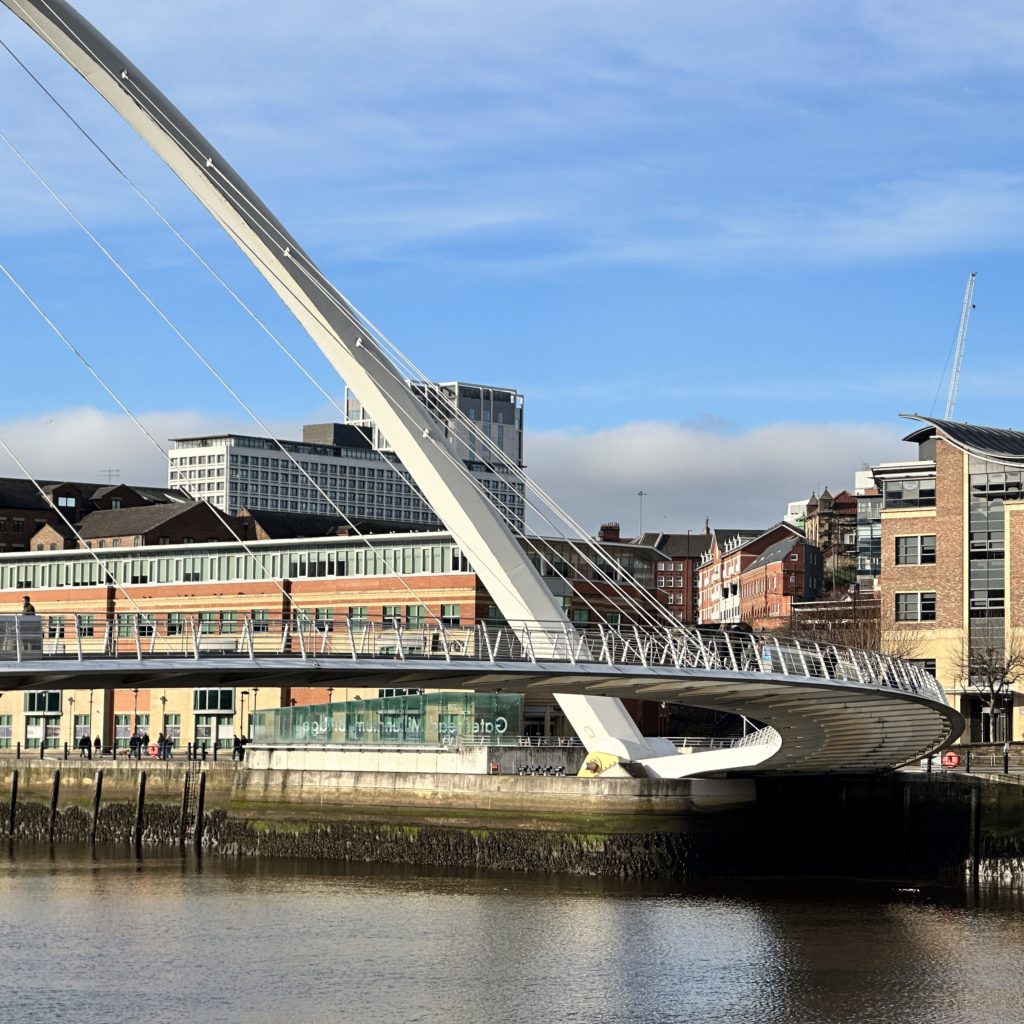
229 782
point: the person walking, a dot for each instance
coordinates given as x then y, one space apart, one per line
27 607
84 747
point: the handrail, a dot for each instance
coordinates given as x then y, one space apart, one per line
169 635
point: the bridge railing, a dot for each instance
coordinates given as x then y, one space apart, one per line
173 634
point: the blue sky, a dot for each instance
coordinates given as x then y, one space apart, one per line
692 234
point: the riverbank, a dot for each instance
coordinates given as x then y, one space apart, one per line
902 825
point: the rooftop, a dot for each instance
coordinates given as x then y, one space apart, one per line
997 442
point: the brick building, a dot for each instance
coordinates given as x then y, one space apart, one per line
676 579
184 522
830 524
24 510
784 573
209 588
952 566
731 554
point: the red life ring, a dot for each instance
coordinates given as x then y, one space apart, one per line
950 759
153 750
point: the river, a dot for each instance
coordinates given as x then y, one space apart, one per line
107 938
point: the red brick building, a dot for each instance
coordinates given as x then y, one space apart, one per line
786 572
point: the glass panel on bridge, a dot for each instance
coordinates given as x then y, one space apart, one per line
442 719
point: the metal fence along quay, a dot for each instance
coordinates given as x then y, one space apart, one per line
171 634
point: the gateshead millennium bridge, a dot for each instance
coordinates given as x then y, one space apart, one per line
823 708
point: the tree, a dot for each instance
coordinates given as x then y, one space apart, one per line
990 668
846 622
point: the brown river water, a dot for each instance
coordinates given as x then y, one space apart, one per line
109 938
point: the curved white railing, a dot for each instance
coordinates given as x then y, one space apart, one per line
169 633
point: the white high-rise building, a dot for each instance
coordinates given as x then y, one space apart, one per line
345 464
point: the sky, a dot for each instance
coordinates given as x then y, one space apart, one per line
719 247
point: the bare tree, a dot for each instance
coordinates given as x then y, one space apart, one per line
989 668
847 623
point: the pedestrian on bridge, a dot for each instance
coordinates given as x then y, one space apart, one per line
27 607
84 747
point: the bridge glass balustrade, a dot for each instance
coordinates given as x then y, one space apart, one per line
173 634
458 718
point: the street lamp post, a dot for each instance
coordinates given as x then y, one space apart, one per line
255 694
135 710
71 716
245 721
641 495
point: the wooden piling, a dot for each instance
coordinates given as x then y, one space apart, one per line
183 823
975 826
14 802
96 794
54 794
200 804
140 807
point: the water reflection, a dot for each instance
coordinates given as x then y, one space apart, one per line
95 936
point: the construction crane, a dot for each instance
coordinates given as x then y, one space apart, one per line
961 338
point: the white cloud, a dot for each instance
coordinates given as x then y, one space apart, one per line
689 471
738 479
83 443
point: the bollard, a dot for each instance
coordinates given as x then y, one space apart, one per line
200 804
188 752
14 802
113 751
42 746
967 762
54 793
97 793
929 764
140 806
65 750
215 751
204 751
1006 759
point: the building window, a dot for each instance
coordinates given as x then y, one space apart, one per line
325 620
415 616
81 727
392 614
122 730
928 664
357 615
172 729
260 620
919 550
451 614
908 493
213 700
5 731
42 702
917 607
